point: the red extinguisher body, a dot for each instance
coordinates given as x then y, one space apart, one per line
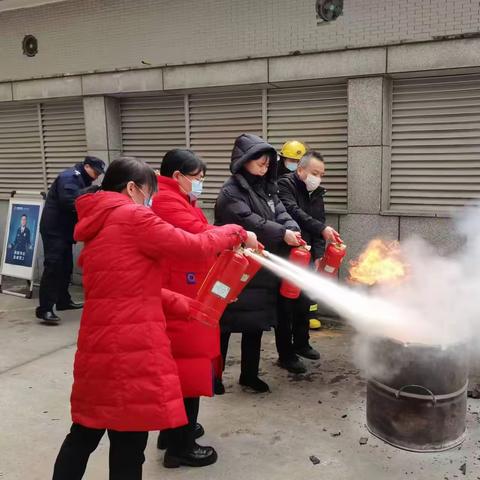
252 269
332 259
222 279
300 256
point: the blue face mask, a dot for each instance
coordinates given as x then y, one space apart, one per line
197 187
292 166
147 201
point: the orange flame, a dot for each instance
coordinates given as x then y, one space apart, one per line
380 263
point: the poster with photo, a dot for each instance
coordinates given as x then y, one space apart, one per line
21 237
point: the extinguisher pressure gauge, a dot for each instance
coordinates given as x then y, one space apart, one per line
329 10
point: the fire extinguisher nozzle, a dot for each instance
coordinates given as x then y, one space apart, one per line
253 253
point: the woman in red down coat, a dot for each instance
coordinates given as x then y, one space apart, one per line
195 347
125 379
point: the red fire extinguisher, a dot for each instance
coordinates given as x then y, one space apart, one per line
252 269
222 279
332 258
300 256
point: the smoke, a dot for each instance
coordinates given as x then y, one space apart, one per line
438 303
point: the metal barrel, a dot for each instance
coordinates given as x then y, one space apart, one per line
421 405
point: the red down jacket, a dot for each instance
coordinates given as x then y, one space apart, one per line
195 347
124 375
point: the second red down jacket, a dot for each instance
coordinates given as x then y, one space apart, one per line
195 347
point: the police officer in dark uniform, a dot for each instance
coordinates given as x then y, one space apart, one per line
56 227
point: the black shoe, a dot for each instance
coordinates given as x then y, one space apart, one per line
293 365
198 456
49 318
218 387
70 306
308 352
254 383
162 437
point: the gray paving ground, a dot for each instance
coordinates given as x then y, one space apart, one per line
257 436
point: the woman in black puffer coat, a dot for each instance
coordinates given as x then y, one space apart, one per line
249 198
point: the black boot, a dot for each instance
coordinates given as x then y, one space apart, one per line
308 352
254 383
219 388
197 456
293 365
49 318
162 441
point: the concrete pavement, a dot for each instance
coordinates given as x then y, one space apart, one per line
268 436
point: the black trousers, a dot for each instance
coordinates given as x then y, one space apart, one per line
125 460
251 346
291 333
57 273
181 439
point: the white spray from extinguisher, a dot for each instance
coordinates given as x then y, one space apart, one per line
366 313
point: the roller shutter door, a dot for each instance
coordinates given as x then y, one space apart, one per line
216 119
20 148
152 125
64 139
435 162
318 116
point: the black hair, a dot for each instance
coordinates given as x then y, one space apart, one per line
309 154
186 161
23 216
128 169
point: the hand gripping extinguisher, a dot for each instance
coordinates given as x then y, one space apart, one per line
222 279
252 269
300 256
332 258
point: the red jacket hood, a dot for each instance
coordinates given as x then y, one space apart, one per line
93 209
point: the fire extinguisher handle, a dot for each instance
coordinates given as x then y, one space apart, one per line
337 238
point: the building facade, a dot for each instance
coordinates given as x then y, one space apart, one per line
389 92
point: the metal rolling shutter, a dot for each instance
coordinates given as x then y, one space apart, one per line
152 125
435 164
216 119
318 116
64 140
20 149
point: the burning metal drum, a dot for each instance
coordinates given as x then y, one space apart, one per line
420 405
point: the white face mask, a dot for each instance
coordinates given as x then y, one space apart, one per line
312 182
